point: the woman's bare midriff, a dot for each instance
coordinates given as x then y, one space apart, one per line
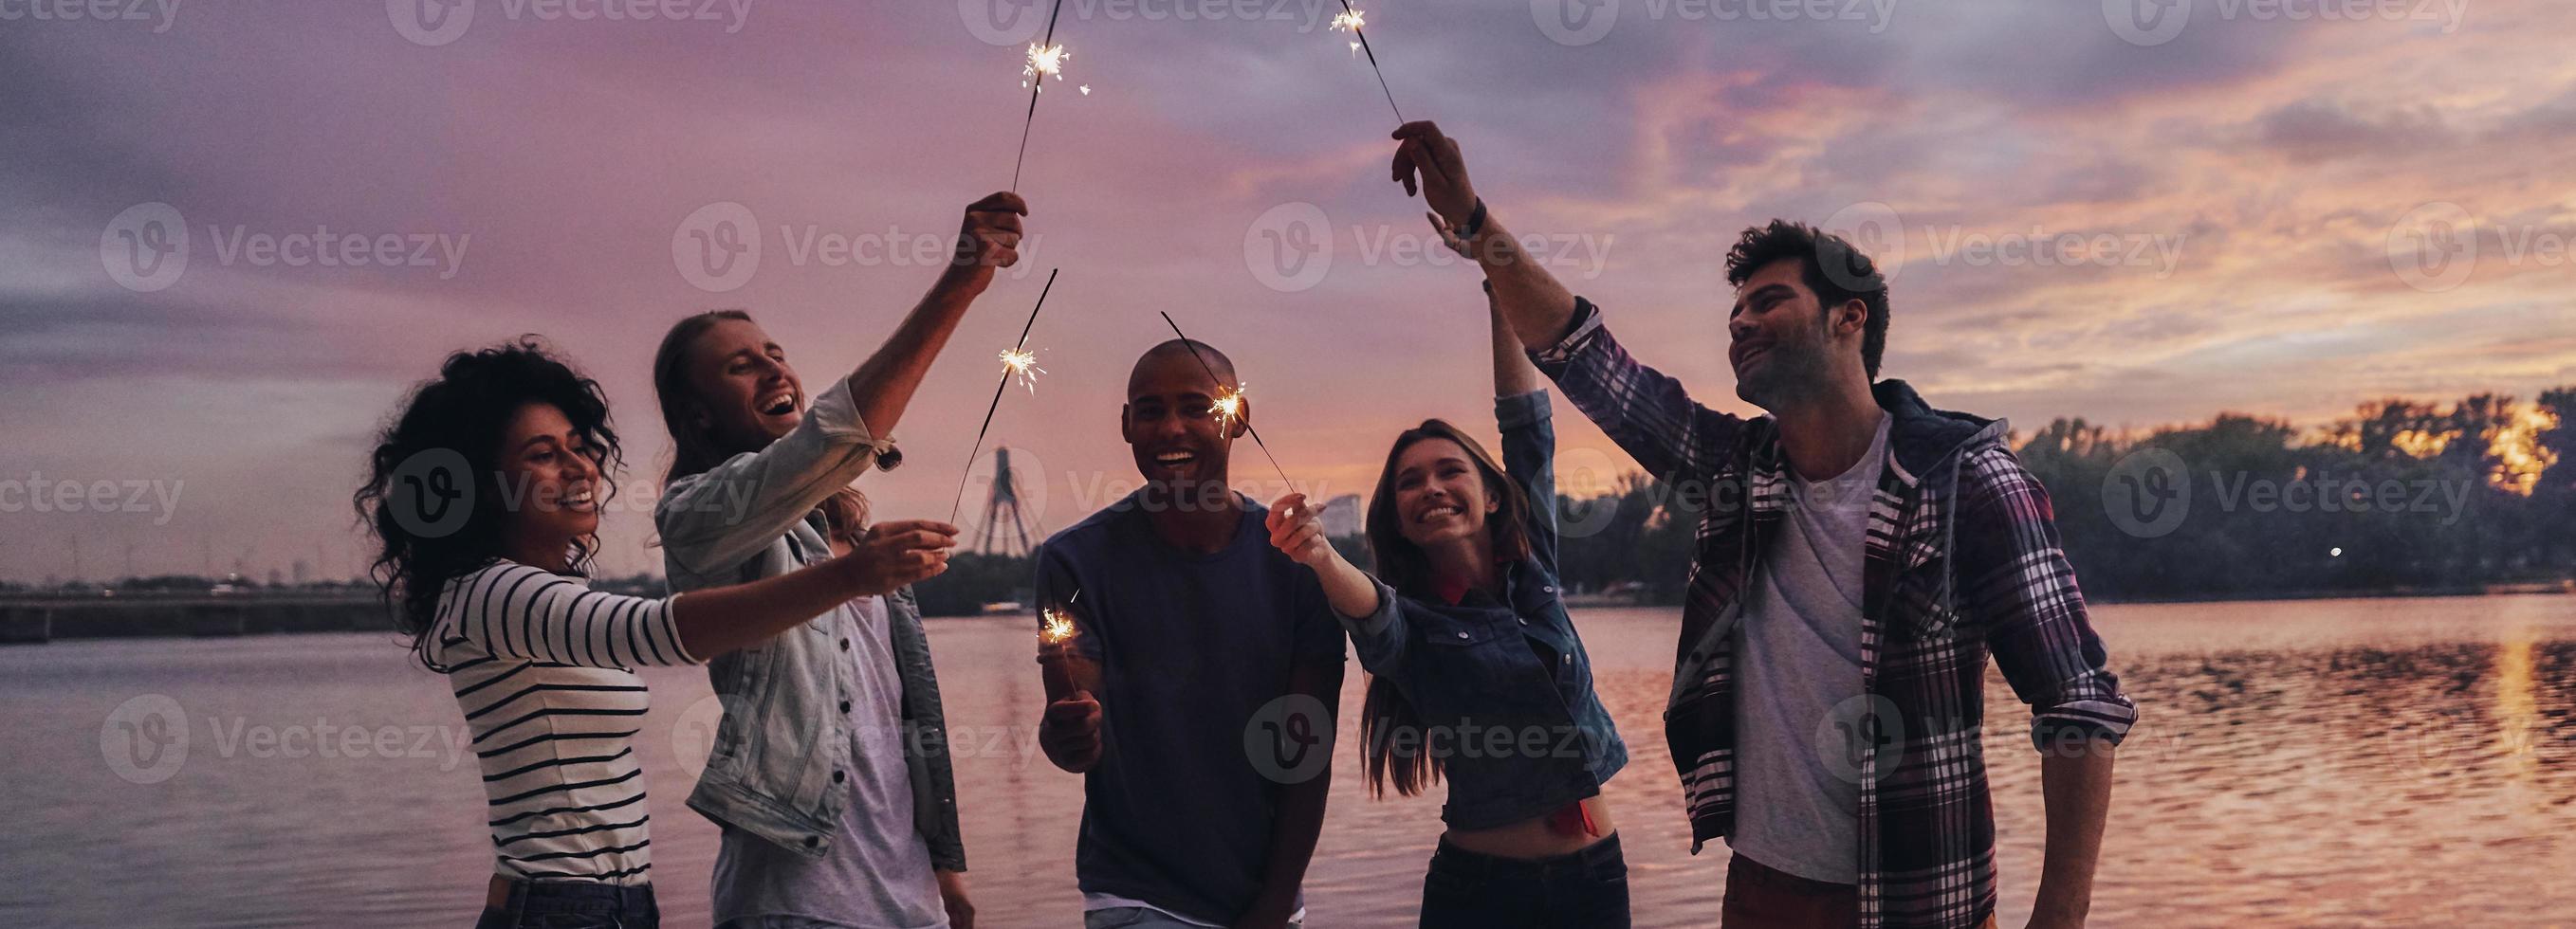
1532 839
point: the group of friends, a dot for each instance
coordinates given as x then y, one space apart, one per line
1860 558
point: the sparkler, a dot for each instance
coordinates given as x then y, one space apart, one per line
1229 403
1056 656
1022 366
1058 627
1016 363
1046 59
1352 20
1229 407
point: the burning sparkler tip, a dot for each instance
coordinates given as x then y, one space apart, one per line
1058 628
1044 61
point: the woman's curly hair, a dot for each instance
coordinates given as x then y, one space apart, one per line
433 495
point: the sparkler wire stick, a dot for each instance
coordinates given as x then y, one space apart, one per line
1247 424
1037 83
1353 16
997 399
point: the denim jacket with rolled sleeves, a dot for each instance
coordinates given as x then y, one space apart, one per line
1522 739
784 732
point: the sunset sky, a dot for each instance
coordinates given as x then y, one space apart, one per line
2279 208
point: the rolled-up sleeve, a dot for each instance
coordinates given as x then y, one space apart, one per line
2018 584
1650 415
714 520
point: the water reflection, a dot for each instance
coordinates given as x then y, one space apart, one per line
2398 762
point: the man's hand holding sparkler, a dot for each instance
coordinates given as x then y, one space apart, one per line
1070 732
989 240
1428 163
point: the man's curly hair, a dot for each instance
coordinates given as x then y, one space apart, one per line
1836 271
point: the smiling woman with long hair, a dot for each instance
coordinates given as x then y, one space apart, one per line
485 492
1467 637
830 773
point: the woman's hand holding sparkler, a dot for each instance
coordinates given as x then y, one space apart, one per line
894 554
1297 530
989 240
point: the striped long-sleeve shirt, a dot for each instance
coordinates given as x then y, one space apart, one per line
543 670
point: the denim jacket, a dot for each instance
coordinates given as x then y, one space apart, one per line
769 773
1518 739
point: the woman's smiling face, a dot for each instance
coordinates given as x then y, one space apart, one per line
1439 495
554 477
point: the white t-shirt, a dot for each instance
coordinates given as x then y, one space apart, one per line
878 874
1798 682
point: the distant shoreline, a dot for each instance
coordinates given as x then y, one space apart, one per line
2543 589
28 620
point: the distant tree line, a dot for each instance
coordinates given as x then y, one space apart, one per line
2400 496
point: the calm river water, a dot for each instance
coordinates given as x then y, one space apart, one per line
2316 763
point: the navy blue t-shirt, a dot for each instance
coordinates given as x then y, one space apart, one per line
1189 648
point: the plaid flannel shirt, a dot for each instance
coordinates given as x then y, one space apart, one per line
1962 562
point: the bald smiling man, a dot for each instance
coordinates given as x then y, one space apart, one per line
1192 633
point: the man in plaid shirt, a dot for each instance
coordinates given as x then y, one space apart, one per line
1859 558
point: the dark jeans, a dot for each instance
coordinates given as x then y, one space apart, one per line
574 905
1580 890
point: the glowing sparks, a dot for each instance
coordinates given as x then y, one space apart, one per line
1044 61
1022 366
1350 20
1058 628
1229 407
1086 90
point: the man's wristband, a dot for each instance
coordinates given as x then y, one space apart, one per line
1475 223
